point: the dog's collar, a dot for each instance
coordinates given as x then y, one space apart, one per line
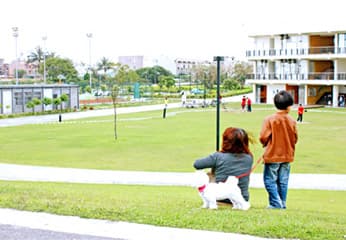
201 188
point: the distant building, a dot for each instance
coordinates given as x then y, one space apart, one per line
14 98
310 65
4 69
185 66
137 62
134 62
30 69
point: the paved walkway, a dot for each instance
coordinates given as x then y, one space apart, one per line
50 174
110 229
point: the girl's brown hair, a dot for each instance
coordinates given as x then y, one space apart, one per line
235 140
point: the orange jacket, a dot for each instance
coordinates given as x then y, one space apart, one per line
279 137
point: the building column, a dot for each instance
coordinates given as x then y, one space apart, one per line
335 95
306 94
254 93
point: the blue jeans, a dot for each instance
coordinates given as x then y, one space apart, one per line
276 183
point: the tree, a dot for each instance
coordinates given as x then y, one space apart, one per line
241 69
36 101
36 57
64 98
105 64
88 89
152 74
56 66
167 81
31 105
231 84
115 92
57 102
21 73
47 101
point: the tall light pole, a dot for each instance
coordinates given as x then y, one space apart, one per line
44 38
89 35
218 59
15 35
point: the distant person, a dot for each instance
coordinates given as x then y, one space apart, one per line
183 98
279 137
165 107
243 103
300 113
248 104
233 159
341 101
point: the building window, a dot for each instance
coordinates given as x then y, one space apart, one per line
27 96
312 92
18 98
37 94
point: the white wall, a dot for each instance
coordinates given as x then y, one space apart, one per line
48 93
341 65
262 43
272 90
7 102
342 89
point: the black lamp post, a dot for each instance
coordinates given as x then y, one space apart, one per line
218 59
204 90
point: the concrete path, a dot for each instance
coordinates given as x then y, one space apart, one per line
50 174
6 122
109 229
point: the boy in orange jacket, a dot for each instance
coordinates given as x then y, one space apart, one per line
279 137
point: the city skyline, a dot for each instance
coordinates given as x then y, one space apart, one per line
190 29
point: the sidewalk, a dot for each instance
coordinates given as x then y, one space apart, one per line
111 229
15 172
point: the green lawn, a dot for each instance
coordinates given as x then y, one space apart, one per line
147 142
310 214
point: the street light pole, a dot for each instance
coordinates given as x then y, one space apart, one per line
89 35
44 38
15 35
218 59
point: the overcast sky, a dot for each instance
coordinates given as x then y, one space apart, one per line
174 28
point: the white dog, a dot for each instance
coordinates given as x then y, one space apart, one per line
210 191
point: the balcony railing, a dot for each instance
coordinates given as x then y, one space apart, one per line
296 76
295 51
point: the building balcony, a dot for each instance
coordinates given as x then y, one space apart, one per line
324 76
295 53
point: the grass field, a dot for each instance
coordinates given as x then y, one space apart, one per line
310 214
148 142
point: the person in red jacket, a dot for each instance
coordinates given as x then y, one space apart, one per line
248 103
243 103
300 113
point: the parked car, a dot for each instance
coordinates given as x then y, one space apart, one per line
197 91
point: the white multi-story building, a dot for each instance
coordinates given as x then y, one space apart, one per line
310 65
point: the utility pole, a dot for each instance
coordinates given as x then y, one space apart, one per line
218 59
